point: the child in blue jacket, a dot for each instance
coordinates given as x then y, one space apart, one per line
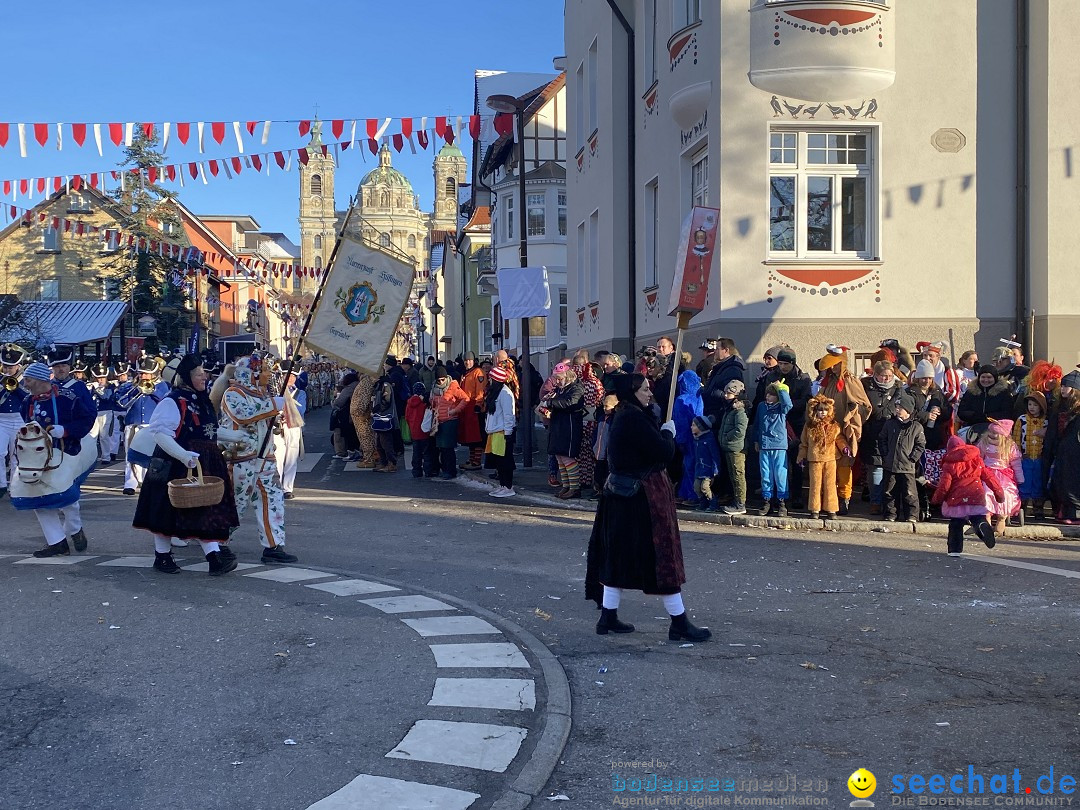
706 462
771 443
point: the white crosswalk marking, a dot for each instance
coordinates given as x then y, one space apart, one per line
351 587
482 746
381 793
515 694
309 462
130 562
452 626
69 560
205 566
491 654
288 575
1045 569
407 604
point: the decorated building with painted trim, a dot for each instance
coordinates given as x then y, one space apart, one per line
882 170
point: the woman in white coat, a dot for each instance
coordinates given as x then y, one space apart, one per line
500 425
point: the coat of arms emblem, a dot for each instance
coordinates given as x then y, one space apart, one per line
360 304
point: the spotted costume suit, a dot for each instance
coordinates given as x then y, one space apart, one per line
249 410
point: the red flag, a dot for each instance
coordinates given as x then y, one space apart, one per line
399 141
151 174
237 164
217 129
305 128
80 228
345 145
422 138
372 127
251 127
279 158
373 145
55 223
116 134
148 131
78 132
325 150
93 180
7 188
406 127
193 170
41 185
3 134
57 183
183 132
448 136
41 133
24 186
474 126
440 125
504 123
337 126
256 161
302 156
213 167
67 225
76 182
170 172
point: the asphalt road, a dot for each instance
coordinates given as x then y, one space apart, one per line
831 652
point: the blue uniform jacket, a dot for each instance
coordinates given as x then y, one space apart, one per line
706 456
770 423
80 389
105 398
61 406
140 407
12 401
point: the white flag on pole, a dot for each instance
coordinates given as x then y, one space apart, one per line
524 292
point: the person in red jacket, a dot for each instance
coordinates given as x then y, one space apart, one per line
414 416
962 496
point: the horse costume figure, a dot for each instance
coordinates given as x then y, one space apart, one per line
53 460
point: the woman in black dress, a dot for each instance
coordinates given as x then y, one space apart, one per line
635 540
185 429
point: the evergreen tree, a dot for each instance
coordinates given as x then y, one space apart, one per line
144 275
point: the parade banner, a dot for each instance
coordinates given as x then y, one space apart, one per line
697 242
364 298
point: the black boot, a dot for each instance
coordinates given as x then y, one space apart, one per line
609 623
682 630
225 552
766 509
845 506
781 508
79 540
277 555
54 549
986 533
218 566
165 563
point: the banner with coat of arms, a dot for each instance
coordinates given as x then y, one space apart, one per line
362 302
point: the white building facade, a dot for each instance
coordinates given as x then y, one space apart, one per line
873 184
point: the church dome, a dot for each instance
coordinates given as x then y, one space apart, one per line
450 150
386 174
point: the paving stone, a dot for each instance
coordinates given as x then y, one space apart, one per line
482 746
288 574
515 694
351 587
407 603
452 626
493 654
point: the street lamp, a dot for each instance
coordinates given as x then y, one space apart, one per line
436 310
503 103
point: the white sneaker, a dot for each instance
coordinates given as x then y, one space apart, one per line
497 492
176 542
504 492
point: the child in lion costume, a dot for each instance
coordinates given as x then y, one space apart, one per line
821 446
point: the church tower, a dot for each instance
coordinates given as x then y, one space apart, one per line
450 172
318 222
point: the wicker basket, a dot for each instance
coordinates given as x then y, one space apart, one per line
197 491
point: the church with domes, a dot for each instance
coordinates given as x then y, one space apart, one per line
387 211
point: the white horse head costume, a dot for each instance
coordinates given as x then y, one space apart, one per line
47 477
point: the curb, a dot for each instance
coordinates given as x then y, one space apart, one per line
934 529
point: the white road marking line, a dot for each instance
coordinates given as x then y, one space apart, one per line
288 575
309 462
347 497
367 792
431 626
407 604
130 562
482 746
515 694
1045 569
490 654
205 566
69 560
351 587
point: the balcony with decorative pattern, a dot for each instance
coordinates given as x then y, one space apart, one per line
822 50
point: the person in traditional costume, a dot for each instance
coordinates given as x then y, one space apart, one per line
103 391
12 396
470 423
138 399
851 407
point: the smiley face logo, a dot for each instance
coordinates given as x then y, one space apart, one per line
861 783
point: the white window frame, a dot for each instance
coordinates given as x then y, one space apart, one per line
51 284
509 200
530 208
110 240
563 312
579 107
652 232
802 170
384 240
582 265
562 213
50 239
483 326
686 13
79 203
594 257
317 242
649 75
699 176
592 77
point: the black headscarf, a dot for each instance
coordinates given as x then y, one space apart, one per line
188 363
626 385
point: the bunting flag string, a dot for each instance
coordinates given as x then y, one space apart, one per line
448 128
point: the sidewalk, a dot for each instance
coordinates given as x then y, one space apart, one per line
532 484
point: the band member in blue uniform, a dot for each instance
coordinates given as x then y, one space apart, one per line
61 360
138 399
106 427
12 396
52 462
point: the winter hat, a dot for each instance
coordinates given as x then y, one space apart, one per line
907 402
419 389
924 369
954 443
561 368
786 355
38 371
406 361
773 388
1039 398
1072 379
703 423
1001 427
774 351
735 387
499 374
988 369
708 345
1001 353
391 360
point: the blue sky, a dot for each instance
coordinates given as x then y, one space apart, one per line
234 60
